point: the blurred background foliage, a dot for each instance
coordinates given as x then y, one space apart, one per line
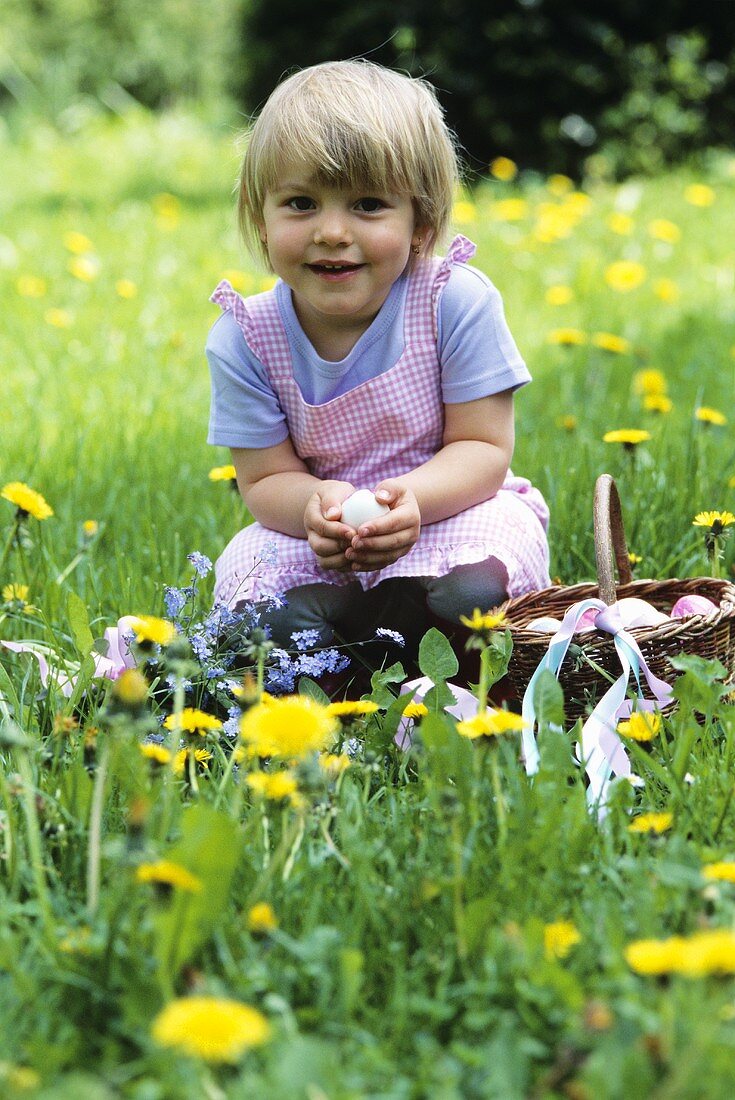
608 86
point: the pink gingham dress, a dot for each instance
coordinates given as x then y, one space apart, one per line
382 428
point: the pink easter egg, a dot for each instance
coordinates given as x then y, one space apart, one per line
587 621
692 605
635 612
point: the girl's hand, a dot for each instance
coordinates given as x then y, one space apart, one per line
380 542
327 535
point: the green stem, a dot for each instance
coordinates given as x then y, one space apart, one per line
484 685
500 807
174 740
457 891
9 542
35 845
94 852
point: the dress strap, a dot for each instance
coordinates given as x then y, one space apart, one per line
459 252
260 323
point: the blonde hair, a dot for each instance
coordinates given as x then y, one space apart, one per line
358 125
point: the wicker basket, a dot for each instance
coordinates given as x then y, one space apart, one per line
711 636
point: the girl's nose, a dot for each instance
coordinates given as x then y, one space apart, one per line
332 228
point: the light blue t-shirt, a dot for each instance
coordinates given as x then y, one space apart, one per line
477 353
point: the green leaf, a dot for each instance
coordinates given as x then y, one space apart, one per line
208 848
380 693
449 757
496 655
437 659
311 688
76 611
548 700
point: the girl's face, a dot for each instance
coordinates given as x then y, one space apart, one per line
339 251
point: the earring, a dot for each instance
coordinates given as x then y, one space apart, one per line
416 248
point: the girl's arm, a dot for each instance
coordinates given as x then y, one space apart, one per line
282 495
471 466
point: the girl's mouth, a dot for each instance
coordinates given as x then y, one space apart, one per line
334 272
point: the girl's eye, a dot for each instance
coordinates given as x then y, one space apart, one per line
300 202
370 206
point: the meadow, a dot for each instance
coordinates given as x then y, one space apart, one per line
371 922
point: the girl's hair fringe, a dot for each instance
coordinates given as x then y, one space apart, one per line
357 125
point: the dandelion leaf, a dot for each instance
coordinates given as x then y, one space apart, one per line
548 701
208 848
79 622
437 659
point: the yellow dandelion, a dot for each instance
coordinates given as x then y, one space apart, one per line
620 223
273 785
262 919
334 764
31 286
464 212
167 209
212 1028
165 872
126 288
709 952
649 381
661 229
720 872
84 268
90 528
509 210
655 957
658 403
608 341
288 727
238 280
641 726
481 622
157 754
629 437
699 194
714 520
222 473
130 688
15 593
634 559
192 720
559 295
666 290
77 243
491 723
504 169
415 711
26 500
707 415
58 318
559 185
358 708
651 823
559 938
569 422
566 337
624 275
148 628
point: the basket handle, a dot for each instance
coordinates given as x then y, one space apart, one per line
611 548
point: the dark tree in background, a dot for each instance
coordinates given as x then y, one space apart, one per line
546 82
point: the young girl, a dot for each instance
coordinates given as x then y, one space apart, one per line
372 365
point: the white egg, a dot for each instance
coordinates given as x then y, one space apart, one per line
638 613
547 624
362 507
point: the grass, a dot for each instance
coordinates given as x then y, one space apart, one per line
413 895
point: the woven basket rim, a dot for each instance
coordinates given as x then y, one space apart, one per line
521 610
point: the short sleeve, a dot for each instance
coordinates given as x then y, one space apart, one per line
478 354
244 410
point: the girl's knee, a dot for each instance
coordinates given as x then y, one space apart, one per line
481 584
